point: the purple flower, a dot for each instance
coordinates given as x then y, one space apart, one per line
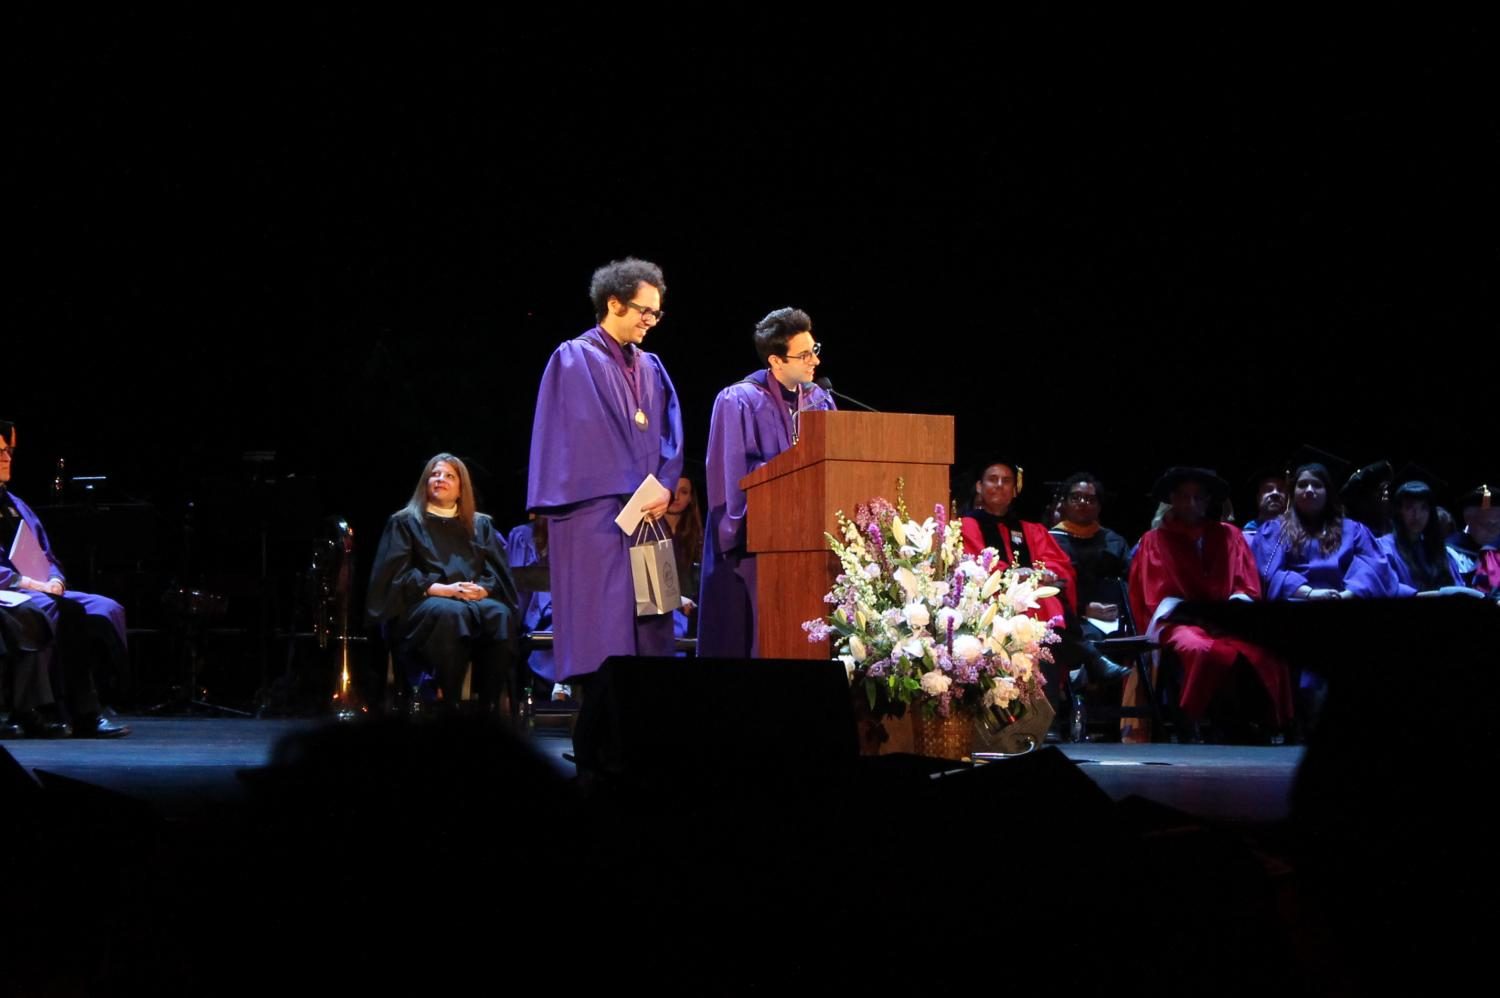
817 630
877 541
939 515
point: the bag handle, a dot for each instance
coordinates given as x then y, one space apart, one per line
654 527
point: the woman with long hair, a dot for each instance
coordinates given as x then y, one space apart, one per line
441 591
1417 548
1313 551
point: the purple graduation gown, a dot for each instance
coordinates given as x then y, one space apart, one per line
1405 583
536 607
95 606
750 426
587 457
1358 564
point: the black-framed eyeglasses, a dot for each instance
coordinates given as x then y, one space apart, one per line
647 312
805 355
7 451
1083 498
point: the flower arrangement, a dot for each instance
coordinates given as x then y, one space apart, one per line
918 622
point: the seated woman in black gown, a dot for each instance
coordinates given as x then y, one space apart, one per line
441 590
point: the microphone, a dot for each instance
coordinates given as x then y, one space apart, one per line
827 385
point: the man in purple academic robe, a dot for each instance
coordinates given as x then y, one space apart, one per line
753 421
79 629
606 417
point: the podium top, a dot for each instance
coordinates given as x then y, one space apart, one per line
891 437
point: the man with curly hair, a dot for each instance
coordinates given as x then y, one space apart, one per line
606 417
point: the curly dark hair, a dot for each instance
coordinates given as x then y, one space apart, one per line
620 279
778 327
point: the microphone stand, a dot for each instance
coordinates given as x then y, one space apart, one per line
827 386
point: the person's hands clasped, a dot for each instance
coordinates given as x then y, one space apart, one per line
468 591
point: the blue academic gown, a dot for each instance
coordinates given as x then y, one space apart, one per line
536 607
1406 584
100 607
587 457
1357 565
751 425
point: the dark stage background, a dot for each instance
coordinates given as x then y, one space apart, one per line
353 241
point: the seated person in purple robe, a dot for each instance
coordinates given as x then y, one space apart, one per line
1476 550
526 547
754 420
441 590
606 417
1313 551
1416 548
76 634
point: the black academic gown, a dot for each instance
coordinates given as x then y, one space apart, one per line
434 638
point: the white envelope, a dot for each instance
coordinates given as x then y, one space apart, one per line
630 516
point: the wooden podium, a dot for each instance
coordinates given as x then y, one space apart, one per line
842 459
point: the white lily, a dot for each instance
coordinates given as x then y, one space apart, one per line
947 617
907 580
991 584
916 614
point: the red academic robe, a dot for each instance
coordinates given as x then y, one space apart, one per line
1044 551
1171 562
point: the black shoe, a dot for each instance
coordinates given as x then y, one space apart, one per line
10 729
99 726
39 725
1104 672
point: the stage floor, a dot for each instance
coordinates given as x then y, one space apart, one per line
183 765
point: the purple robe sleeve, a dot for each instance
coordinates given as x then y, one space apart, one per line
584 442
520 552
733 452
1404 584
1368 573
672 458
1278 580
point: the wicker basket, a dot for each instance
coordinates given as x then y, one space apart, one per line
950 737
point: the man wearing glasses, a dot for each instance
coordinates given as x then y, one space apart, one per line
78 630
753 420
606 417
1100 556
